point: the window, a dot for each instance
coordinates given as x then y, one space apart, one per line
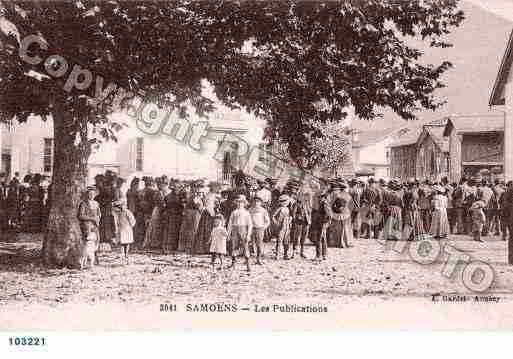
48 155
264 154
229 159
139 153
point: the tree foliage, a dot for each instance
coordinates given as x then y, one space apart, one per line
274 58
333 149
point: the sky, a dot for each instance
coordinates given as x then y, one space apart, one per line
501 8
478 46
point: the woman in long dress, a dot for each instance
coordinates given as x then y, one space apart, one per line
173 211
144 210
212 200
439 223
107 195
411 216
153 236
340 231
190 222
394 222
35 206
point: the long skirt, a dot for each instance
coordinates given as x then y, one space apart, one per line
107 225
3 217
171 231
205 226
394 224
141 223
356 221
34 216
412 224
188 230
439 223
153 237
340 232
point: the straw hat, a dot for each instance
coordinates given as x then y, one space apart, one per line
241 198
439 188
477 204
283 198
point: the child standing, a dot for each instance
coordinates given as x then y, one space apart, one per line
240 227
125 222
218 238
260 220
281 223
89 217
478 219
324 219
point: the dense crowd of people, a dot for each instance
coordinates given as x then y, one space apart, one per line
199 218
196 218
24 204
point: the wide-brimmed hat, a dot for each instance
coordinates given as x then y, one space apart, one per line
439 188
283 198
120 202
271 181
477 204
214 185
241 198
91 188
219 216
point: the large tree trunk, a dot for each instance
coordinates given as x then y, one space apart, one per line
71 152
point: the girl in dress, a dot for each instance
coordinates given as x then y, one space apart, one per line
218 239
89 216
125 222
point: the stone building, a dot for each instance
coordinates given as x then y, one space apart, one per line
28 148
371 152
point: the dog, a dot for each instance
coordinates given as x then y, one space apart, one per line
88 251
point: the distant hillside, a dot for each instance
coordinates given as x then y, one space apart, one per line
479 44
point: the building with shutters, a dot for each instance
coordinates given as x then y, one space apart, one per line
28 148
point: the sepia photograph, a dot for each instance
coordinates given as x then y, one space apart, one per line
255 165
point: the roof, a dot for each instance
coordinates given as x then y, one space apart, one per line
366 138
409 138
474 124
437 134
497 98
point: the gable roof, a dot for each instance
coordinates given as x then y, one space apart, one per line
367 138
412 136
497 98
437 134
474 124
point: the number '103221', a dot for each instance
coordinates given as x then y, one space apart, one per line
27 341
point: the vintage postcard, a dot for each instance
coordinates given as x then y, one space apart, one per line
270 165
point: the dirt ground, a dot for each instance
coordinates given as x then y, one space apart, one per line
368 270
